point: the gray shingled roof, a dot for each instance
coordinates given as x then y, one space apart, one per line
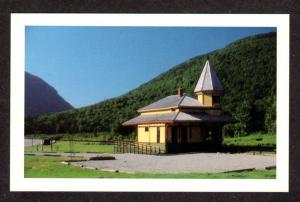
209 80
173 101
169 117
179 117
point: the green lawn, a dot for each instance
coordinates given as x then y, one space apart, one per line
51 167
65 146
252 140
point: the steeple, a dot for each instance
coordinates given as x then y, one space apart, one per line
208 80
209 88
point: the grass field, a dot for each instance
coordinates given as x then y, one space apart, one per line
51 167
252 140
65 146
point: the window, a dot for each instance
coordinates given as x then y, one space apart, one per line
146 129
216 99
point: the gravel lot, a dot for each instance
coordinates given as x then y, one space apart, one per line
182 163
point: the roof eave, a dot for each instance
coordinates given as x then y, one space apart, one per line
209 91
145 122
156 109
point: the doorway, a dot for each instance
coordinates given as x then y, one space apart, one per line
183 134
174 135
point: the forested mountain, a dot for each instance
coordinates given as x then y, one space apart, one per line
41 98
247 69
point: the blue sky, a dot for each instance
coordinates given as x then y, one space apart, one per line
89 64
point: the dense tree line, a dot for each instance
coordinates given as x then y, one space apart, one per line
247 69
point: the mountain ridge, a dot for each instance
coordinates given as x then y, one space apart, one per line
41 97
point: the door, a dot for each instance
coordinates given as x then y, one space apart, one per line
174 135
184 134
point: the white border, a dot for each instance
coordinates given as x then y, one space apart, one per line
19 183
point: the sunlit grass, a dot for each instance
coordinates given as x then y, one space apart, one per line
51 167
256 139
67 146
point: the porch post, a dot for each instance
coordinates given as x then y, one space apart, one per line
166 137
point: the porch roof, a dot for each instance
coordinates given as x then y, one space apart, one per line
178 117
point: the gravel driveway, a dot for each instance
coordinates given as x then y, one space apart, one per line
183 163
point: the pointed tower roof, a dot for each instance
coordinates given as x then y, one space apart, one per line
208 80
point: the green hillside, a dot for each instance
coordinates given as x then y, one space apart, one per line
247 69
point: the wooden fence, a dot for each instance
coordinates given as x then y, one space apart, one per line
137 148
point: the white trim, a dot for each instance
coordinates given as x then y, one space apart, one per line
19 183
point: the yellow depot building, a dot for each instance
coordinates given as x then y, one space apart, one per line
183 123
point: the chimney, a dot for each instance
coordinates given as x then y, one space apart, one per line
179 92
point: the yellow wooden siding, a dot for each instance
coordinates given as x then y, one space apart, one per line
200 98
143 136
205 98
150 136
162 135
208 100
